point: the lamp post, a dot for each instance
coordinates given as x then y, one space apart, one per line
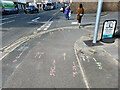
97 20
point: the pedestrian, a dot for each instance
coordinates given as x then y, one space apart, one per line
63 8
80 12
67 13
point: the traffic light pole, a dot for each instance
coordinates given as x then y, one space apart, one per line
97 20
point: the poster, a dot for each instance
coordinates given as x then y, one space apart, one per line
109 29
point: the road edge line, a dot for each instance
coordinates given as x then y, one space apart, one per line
81 68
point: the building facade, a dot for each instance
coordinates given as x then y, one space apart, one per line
91 7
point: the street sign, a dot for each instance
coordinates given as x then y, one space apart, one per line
108 30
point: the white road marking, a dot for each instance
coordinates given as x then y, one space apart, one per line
82 71
35 20
48 25
50 19
18 65
4 56
43 26
74 23
7 22
7 18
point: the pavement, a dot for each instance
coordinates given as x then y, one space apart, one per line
60 58
99 63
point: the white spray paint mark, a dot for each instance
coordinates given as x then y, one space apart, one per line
83 58
40 56
37 54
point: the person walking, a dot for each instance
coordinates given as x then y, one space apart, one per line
69 10
63 8
80 12
67 13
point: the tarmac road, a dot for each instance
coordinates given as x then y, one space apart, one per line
15 26
47 61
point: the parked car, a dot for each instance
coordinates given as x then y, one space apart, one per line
50 5
8 7
31 9
46 8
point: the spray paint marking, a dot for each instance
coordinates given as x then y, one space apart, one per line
99 64
26 44
39 54
64 54
83 57
74 69
14 61
52 72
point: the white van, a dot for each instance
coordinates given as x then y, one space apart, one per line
8 7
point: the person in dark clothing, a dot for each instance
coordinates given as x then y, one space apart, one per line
80 12
63 8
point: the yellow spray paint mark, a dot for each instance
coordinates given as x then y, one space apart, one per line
64 54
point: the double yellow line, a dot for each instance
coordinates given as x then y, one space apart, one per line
7 49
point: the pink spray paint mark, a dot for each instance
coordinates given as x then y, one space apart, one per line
74 66
19 55
75 73
52 72
53 63
14 61
74 69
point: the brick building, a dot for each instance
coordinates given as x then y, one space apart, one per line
91 7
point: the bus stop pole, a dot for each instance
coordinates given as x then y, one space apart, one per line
97 20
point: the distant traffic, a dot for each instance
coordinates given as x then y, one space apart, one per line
9 7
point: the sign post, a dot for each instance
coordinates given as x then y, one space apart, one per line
108 31
97 20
